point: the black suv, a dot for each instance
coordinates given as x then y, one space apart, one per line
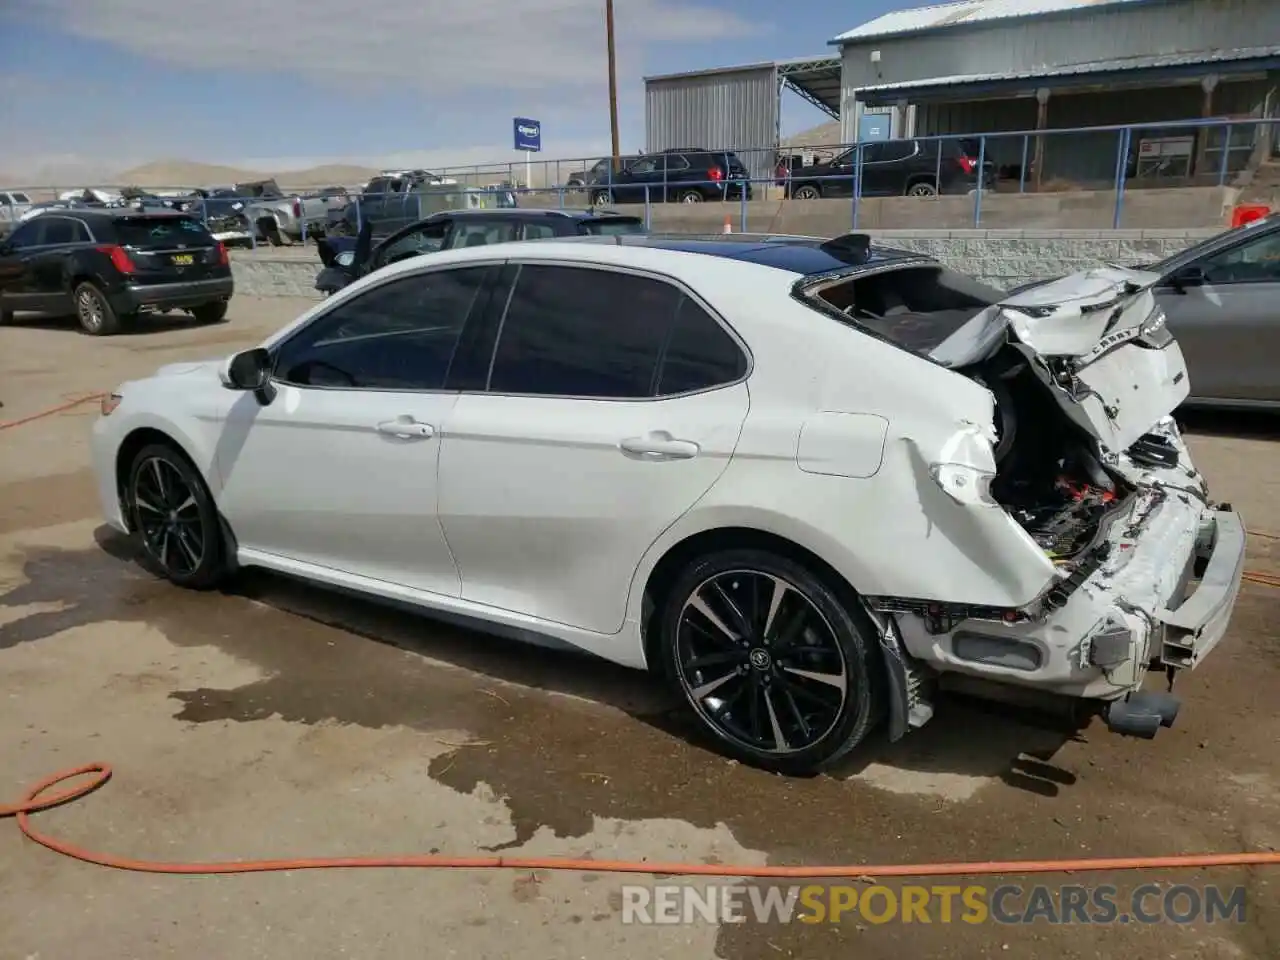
347 259
683 175
893 168
109 266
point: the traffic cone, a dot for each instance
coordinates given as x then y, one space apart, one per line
728 227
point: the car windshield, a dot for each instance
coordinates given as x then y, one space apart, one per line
161 231
613 228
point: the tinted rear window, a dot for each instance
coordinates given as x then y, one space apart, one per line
160 232
613 228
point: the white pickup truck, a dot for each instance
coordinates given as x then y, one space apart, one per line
13 204
292 219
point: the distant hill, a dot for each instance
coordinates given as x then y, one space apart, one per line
823 135
189 173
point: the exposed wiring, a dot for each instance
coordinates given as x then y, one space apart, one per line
36 800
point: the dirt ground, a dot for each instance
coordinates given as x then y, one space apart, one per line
279 721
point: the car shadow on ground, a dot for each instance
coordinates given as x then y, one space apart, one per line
969 739
1251 424
149 324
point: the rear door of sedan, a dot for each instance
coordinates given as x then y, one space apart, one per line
605 404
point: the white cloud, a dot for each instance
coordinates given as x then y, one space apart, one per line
433 49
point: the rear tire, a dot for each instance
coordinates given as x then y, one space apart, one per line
806 192
602 198
214 312
788 680
174 516
6 317
689 196
94 312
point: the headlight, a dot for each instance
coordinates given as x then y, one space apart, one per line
345 259
1154 331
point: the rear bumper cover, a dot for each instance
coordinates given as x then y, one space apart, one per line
1162 596
175 295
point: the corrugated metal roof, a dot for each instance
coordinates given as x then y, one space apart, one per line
1153 62
942 15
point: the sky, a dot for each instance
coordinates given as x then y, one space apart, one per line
92 87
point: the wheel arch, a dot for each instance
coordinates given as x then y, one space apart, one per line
662 572
889 672
144 435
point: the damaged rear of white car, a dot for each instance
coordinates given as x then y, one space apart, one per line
1079 481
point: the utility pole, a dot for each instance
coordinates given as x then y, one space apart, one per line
613 81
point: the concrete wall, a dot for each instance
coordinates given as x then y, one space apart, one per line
1083 210
1003 258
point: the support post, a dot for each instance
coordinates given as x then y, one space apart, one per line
1042 123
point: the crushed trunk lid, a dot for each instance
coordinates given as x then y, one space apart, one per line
1098 341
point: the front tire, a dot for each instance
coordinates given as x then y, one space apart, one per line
602 198
776 667
922 188
806 192
174 517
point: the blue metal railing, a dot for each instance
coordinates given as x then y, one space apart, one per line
1022 161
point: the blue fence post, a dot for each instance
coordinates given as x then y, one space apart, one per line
253 225
648 210
1022 170
857 182
982 172
560 193
1226 153
1122 164
937 171
359 222
742 192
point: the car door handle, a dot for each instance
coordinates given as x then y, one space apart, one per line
658 446
406 428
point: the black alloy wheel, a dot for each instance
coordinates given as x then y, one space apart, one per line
175 518
771 661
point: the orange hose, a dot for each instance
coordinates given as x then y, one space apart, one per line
35 801
52 410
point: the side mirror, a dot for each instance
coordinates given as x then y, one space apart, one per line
250 370
1189 276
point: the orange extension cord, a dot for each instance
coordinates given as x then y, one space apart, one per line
37 800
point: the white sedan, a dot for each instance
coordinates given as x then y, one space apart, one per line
809 482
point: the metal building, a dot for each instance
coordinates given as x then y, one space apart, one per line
736 108
979 66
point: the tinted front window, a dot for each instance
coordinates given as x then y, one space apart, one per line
612 228
398 336
161 232
1253 261
20 198
577 332
468 232
699 354
26 235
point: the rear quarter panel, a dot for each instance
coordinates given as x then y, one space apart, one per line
885 525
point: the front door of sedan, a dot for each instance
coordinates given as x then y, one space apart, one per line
339 470
1224 310
613 403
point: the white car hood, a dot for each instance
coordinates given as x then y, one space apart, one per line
1079 333
186 367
